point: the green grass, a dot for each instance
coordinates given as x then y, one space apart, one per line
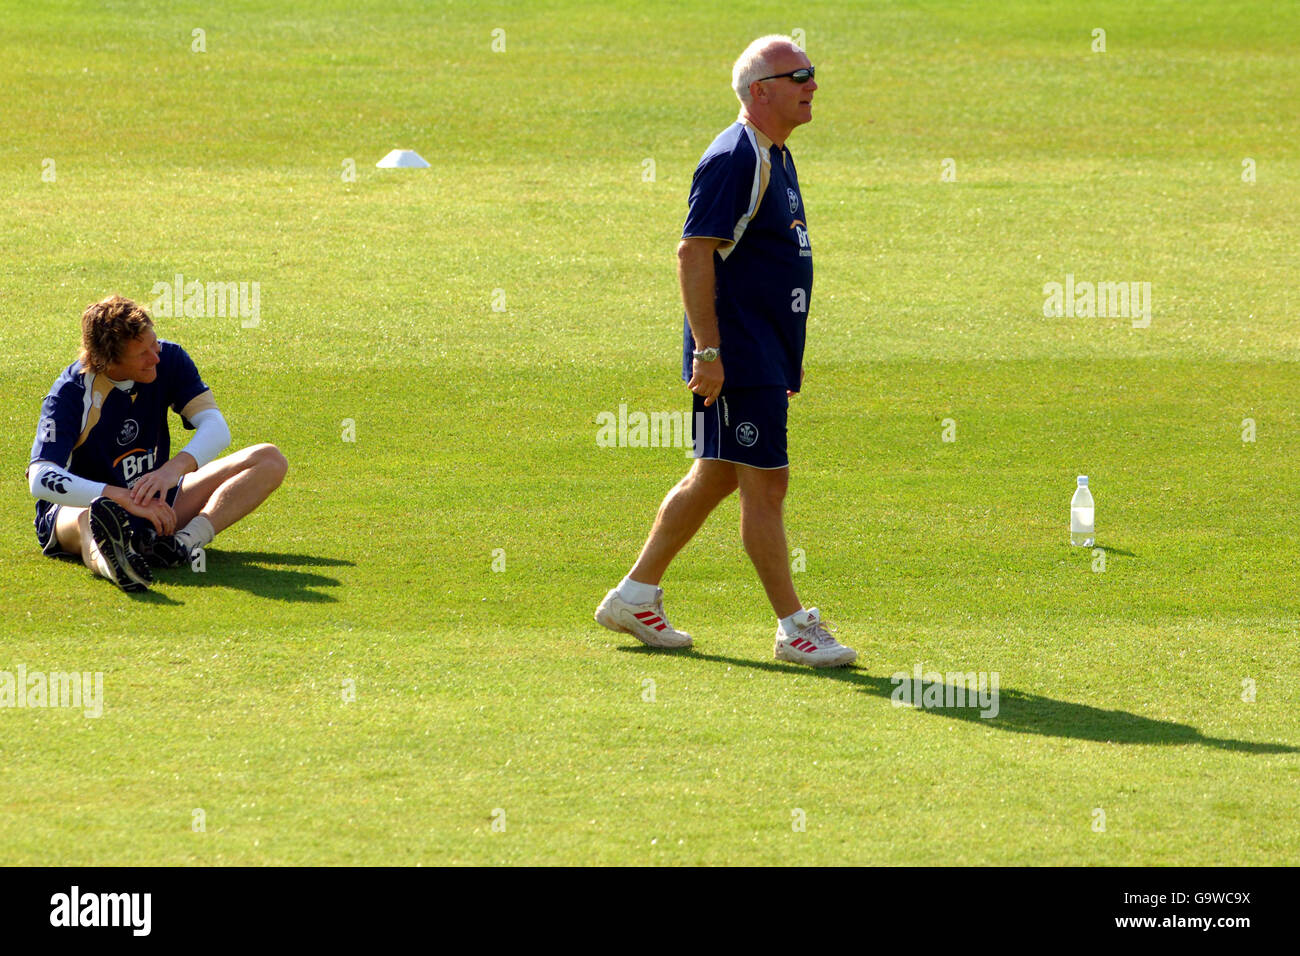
479 691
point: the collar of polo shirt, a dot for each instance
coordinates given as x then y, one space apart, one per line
761 137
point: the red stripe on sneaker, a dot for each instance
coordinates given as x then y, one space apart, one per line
650 619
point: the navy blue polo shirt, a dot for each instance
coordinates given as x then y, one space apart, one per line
745 191
101 432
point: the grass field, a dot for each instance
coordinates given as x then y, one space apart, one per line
351 681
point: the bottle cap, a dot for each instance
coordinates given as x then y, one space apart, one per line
1083 481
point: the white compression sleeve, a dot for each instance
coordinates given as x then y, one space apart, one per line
211 437
49 482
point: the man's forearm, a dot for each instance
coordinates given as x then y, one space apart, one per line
48 482
185 462
59 486
698 282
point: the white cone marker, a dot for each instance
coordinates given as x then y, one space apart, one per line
402 159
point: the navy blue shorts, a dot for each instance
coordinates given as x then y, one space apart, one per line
745 426
47 513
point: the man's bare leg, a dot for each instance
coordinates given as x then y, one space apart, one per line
762 529
72 528
230 488
223 491
681 515
635 606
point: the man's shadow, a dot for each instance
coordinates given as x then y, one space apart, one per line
1018 712
249 571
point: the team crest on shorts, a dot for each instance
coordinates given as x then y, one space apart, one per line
747 434
794 200
130 428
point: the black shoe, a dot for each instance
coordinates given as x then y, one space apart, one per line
163 550
110 527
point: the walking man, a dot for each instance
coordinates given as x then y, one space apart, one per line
744 265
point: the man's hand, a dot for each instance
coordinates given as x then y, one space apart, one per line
163 479
790 394
158 512
706 380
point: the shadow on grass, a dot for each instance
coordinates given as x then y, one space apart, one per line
154 597
1112 550
1018 712
246 571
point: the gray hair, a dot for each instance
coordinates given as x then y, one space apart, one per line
753 64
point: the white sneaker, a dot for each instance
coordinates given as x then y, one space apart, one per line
646 622
811 643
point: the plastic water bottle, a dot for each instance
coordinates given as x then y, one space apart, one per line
1081 533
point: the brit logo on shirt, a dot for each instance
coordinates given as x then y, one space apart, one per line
794 200
134 465
801 234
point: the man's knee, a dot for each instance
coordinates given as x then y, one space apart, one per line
764 488
270 461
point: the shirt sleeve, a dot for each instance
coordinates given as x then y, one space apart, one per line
184 381
721 191
202 402
59 426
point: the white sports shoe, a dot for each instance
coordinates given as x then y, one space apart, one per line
811 643
646 622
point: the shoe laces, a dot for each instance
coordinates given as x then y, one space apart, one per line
659 609
658 604
819 632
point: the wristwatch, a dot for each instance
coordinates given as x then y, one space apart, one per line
706 355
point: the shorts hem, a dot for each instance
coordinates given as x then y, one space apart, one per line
732 461
50 546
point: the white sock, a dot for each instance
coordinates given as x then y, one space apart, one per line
787 623
197 534
634 592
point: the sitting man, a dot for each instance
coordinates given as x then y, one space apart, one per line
107 489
